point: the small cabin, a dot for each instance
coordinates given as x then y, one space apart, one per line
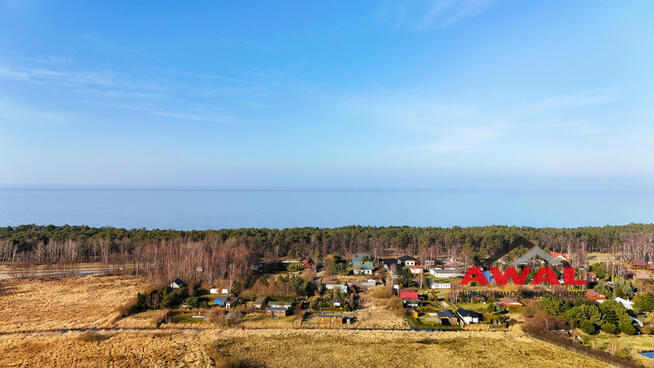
276 312
333 318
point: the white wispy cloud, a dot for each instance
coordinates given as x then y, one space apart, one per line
430 14
577 99
22 113
459 139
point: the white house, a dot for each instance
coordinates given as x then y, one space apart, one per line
224 291
416 270
441 285
369 283
213 291
408 261
444 274
467 316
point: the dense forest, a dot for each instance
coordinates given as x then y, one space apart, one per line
230 252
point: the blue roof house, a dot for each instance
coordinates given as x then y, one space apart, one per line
220 301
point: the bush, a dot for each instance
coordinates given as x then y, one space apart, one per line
609 327
588 327
380 293
626 326
173 298
644 302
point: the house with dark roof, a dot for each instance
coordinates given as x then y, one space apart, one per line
388 262
447 317
408 261
468 316
259 302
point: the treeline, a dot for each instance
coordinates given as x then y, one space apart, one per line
71 244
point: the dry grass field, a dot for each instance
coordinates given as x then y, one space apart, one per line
91 302
283 348
349 348
107 349
64 303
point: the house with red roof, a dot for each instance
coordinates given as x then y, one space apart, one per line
416 270
563 257
408 294
595 296
510 303
638 264
642 276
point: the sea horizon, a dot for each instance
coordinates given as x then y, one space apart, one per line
203 208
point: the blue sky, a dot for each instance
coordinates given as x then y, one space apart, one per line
345 94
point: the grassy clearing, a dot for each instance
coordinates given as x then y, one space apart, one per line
477 307
623 344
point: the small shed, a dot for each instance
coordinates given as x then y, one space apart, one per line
332 318
260 302
231 302
177 284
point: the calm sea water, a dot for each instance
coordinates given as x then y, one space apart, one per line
205 209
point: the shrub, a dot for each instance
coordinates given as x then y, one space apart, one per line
644 302
174 298
609 327
588 327
626 326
